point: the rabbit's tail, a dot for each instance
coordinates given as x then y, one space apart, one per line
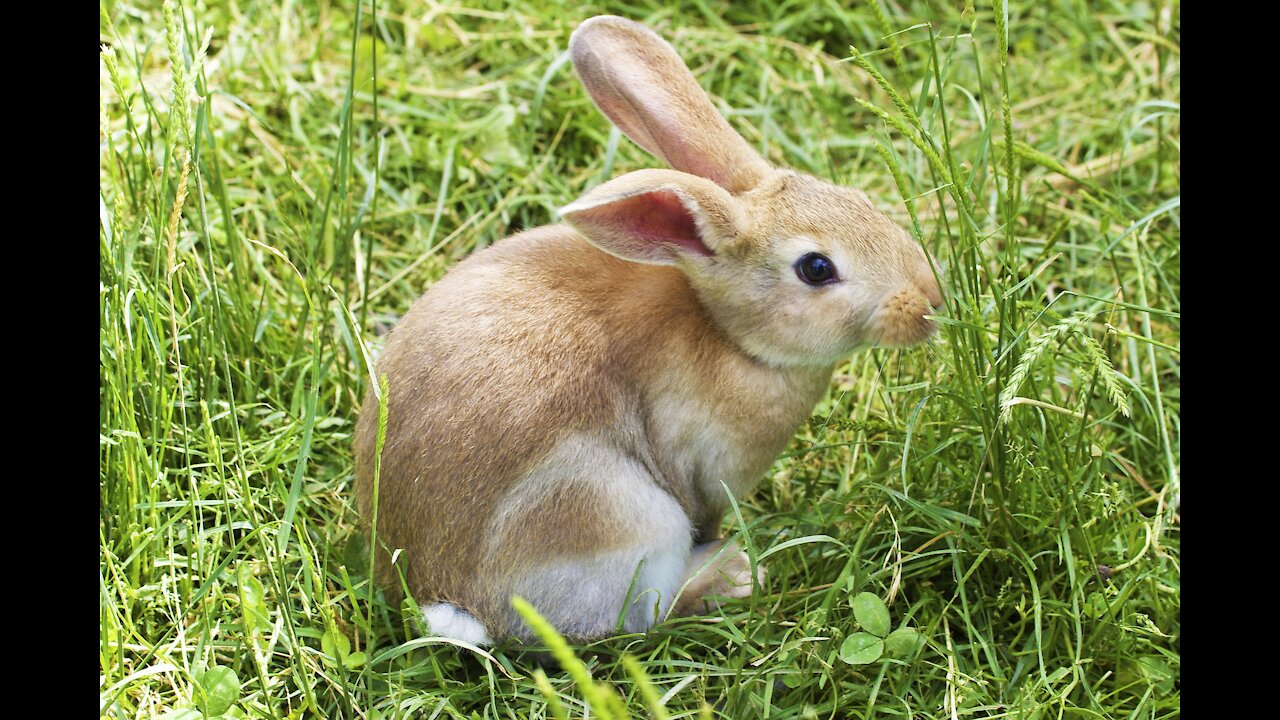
451 621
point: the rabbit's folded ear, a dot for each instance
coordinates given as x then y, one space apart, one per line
641 84
653 216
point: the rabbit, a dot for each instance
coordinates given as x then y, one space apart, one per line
570 408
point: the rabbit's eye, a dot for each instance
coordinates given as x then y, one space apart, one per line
816 269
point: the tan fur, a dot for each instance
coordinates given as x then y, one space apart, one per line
570 408
654 99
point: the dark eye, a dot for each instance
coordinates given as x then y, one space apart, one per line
816 269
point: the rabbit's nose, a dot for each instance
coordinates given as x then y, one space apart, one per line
929 287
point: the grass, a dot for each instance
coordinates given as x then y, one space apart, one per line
279 181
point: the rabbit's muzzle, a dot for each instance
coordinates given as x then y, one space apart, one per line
901 320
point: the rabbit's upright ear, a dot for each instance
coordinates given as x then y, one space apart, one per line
654 216
641 84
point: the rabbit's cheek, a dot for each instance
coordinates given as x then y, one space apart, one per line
831 322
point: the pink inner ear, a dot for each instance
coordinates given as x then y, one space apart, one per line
659 216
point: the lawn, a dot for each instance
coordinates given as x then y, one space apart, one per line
280 180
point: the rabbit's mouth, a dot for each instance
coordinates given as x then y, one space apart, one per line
902 320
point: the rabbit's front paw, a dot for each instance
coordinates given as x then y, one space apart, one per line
733 579
725 576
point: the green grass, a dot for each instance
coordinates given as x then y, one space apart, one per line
259 235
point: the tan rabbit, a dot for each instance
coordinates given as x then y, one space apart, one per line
567 407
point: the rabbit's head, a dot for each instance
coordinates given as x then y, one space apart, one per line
795 270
